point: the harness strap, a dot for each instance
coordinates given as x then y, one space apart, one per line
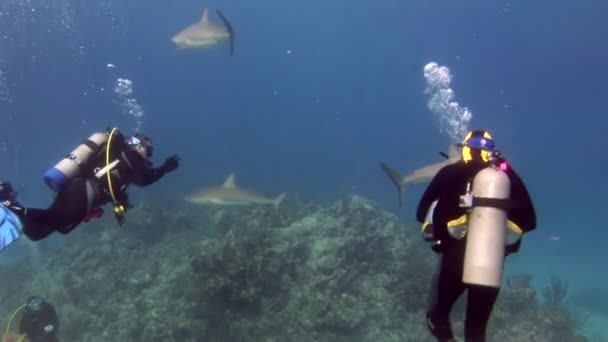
499 203
90 144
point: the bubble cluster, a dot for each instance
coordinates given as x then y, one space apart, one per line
453 118
124 89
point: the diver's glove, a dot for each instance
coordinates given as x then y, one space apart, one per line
170 164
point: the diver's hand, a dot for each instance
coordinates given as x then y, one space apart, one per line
170 163
436 246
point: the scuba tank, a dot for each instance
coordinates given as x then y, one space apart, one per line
486 237
73 164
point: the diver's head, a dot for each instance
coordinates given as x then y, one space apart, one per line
7 193
477 146
142 144
34 303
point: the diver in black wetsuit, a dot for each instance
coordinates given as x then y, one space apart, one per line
82 197
446 188
39 321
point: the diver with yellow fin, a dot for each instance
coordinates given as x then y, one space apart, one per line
97 172
474 212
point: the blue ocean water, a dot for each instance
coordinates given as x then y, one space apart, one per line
317 93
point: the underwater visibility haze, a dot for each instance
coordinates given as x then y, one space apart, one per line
302 101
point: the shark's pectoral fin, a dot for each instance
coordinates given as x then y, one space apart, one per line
228 28
396 178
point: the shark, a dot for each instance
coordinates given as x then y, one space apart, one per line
230 194
205 33
421 175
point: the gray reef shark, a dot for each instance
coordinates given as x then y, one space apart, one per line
230 194
421 175
204 33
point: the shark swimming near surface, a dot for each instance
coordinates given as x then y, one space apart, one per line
421 175
230 194
205 33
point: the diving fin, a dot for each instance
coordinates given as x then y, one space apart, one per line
10 227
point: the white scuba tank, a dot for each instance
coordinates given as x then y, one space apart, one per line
486 233
69 167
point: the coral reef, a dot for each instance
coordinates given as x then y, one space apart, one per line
349 271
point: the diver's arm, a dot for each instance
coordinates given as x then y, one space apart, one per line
152 175
430 195
524 213
170 164
145 173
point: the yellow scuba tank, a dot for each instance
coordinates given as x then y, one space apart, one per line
69 167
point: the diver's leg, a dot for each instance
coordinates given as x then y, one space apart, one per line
480 302
35 231
68 208
446 287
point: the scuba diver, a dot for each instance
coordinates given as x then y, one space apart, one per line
39 322
97 172
445 211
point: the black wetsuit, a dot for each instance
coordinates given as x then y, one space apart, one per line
41 325
447 187
82 194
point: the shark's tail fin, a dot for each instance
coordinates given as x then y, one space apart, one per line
277 201
396 178
228 28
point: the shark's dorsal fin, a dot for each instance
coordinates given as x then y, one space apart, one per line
205 18
230 182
